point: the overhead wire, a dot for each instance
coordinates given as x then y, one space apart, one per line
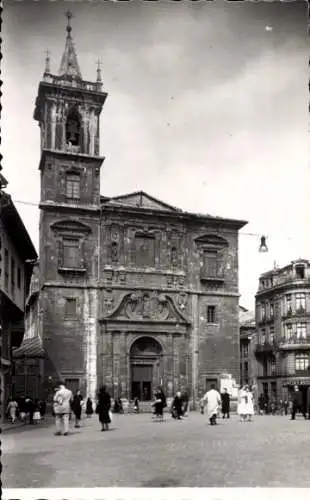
257 235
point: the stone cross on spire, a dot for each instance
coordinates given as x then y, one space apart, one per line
69 64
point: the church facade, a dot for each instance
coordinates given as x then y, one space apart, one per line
133 293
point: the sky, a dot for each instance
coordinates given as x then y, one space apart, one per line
207 110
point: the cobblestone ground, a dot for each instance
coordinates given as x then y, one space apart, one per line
138 452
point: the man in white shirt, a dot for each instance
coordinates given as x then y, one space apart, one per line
62 409
212 401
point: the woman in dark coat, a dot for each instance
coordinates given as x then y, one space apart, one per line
76 407
177 406
160 403
89 408
103 408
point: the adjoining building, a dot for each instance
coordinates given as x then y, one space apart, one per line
133 292
16 249
247 347
283 331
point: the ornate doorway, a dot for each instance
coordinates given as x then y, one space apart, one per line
145 361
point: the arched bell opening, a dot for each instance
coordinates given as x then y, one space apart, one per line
73 128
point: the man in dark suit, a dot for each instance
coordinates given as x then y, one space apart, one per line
225 403
298 405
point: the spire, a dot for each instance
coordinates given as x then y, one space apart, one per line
69 64
99 75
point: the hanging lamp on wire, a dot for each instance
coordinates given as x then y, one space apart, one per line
263 245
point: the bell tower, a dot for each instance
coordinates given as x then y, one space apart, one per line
67 110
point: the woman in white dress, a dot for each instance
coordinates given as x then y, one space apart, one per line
242 409
249 404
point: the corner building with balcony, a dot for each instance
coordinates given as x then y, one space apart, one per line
133 292
283 331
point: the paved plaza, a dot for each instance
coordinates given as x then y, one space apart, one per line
138 452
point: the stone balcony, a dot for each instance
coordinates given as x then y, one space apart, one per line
213 276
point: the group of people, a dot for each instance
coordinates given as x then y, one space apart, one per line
65 404
215 403
26 410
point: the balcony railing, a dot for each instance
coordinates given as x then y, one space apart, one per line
73 82
267 346
294 340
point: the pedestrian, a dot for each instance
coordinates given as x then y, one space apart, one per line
297 404
177 406
36 412
249 404
241 409
29 409
12 410
202 406
76 407
159 404
103 408
225 403
212 402
185 399
62 400
89 408
136 405
42 409
286 407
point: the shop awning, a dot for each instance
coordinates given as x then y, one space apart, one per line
30 348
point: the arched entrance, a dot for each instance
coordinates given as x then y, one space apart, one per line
145 355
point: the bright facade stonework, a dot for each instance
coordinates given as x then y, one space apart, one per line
133 292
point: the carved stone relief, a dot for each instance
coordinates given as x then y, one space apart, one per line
182 301
147 305
108 301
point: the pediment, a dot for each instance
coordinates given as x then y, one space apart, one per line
70 225
143 306
141 200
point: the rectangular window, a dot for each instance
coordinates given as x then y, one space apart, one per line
288 302
6 269
265 368
12 276
211 317
271 334
19 278
245 350
70 311
73 186
300 272
271 310
210 264
301 330
301 362
274 390
273 366
300 302
288 331
263 336
71 254
263 312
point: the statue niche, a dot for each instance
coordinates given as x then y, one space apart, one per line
145 251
